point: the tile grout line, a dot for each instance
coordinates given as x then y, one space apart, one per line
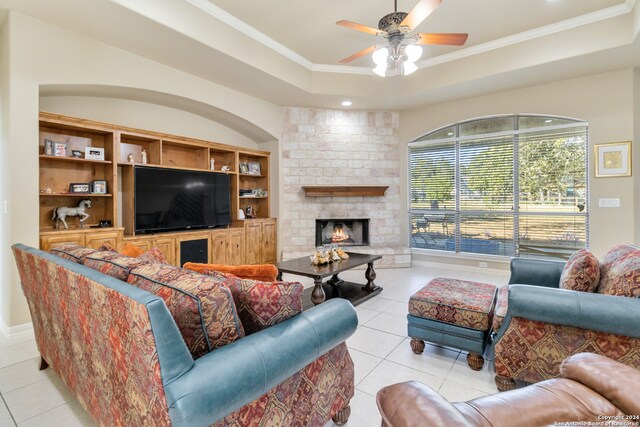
8 410
48 410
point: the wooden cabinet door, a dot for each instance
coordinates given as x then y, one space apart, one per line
235 247
167 246
269 232
49 242
95 240
253 242
218 251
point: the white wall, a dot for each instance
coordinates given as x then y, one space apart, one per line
605 100
43 55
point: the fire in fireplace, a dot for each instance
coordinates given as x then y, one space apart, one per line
345 232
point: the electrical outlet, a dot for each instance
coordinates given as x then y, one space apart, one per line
483 264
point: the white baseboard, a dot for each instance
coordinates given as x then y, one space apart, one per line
15 331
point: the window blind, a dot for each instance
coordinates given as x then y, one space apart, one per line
488 187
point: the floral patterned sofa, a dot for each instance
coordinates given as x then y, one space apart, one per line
555 310
144 343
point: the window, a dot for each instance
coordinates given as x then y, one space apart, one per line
505 185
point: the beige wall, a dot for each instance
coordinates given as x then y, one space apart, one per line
605 100
146 116
5 266
43 55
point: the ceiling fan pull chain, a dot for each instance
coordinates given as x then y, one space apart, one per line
395 5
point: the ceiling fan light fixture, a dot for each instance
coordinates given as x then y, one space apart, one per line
408 67
380 56
413 52
381 70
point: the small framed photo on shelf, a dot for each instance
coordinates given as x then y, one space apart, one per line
613 159
244 167
76 153
48 147
99 187
94 153
254 168
80 187
59 149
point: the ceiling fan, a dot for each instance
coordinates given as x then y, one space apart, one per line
399 54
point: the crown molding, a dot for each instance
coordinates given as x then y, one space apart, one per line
249 31
568 24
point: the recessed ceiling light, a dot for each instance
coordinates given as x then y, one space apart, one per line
346 103
450 134
548 121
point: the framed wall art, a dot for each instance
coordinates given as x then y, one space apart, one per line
613 159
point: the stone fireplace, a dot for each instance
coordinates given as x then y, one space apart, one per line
344 232
338 149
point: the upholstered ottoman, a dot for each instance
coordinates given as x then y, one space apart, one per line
455 313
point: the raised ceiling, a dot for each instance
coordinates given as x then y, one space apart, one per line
287 52
308 28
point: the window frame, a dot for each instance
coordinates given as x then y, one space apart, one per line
516 213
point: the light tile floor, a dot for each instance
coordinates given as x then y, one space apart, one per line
380 350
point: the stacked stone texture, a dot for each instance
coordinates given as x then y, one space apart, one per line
336 147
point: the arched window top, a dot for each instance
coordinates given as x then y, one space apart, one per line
512 123
507 185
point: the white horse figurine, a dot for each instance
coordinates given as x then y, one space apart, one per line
63 212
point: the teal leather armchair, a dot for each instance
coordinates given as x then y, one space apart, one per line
545 324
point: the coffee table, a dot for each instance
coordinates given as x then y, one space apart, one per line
335 287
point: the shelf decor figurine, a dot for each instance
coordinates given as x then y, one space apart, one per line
225 168
130 158
144 157
212 164
61 213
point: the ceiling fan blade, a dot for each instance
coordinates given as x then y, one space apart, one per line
420 12
452 39
359 54
359 27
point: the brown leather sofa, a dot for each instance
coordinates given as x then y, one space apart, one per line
593 388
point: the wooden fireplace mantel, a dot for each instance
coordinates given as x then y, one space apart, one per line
345 191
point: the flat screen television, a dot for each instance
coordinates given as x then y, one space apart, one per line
173 199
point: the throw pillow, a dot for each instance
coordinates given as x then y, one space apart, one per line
202 308
153 255
107 247
131 250
262 272
581 273
73 252
620 272
262 304
113 264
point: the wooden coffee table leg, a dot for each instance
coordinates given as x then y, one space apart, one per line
370 275
317 296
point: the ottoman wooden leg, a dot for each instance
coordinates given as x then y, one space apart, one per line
475 361
505 383
342 416
417 345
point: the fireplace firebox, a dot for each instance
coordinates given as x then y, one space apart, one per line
343 232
